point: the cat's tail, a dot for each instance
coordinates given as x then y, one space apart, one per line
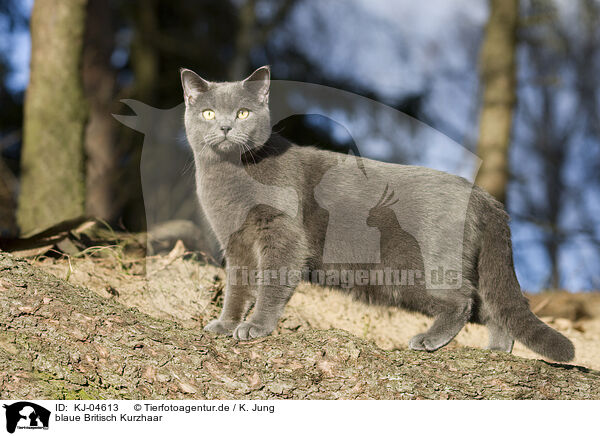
502 296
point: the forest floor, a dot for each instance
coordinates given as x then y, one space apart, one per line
101 325
176 287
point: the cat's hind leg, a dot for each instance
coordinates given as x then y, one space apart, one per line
499 338
452 317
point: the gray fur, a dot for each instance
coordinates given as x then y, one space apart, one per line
261 195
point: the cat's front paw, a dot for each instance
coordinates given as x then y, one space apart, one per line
221 327
246 331
422 342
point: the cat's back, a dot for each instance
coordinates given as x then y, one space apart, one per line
358 173
425 191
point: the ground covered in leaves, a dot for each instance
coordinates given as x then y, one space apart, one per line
61 340
180 287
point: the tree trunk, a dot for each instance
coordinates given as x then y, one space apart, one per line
244 40
498 77
145 64
251 34
59 341
52 163
144 54
7 203
99 85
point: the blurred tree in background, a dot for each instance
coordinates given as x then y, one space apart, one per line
556 177
52 162
11 118
498 76
100 88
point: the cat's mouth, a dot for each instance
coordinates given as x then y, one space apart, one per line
226 145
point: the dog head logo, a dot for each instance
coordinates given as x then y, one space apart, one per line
26 415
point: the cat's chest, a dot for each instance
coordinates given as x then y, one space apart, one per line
227 194
223 191
219 184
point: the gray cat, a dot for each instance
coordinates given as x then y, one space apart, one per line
282 213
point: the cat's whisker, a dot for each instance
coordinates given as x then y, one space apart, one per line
243 139
208 141
250 152
189 165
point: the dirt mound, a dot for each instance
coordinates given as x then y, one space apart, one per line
179 288
108 351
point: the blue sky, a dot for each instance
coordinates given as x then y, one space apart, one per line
17 46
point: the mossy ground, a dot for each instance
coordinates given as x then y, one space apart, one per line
61 340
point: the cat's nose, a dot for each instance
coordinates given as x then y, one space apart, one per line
226 129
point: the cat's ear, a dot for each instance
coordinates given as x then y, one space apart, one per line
259 82
193 85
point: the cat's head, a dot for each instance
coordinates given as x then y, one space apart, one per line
227 117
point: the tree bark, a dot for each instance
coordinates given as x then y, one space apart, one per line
244 40
52 163
251 34
99 80
145 64
498 76
8 226
59 341
144 54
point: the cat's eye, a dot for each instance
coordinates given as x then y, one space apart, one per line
243 114
208 114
